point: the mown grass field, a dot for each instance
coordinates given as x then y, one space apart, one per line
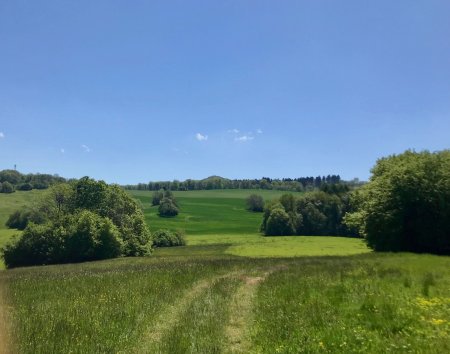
230 290
214 212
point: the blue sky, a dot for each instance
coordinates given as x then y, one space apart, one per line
132 91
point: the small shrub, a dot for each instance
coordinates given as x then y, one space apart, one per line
40 185
7 187
255 203
38 244
167 208
166 238
25 187
21 218
279 223
157 197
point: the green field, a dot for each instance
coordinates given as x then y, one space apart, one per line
8 204
356 304
216 217
214 212
230 290
219 217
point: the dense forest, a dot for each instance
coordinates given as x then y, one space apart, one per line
215 182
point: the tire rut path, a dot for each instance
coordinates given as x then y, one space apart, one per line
237 331
168 318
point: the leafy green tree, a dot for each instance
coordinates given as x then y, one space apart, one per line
167 208
268 207
38 244
89 194
10 176
317 213
21 218
168 194
91 237
79 237
57 201
157 197
279 223
25 187
7 187
255 203
166 238
406 204
288 203
314 221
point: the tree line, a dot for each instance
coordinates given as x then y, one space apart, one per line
318 213
405 206
215 182
12 180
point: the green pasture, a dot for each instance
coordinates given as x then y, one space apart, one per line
213 212
219 217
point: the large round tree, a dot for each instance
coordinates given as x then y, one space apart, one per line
406 204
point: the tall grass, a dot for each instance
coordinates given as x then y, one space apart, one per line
367 303
356 305
99 307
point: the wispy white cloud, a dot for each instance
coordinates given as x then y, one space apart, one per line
62 150
2 135
235 131
201 137
244 138
85 148
259 131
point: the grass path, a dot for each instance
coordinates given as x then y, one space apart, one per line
240 309
237 330
168 318
241 314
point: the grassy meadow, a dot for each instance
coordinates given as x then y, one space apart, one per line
230 290
356 304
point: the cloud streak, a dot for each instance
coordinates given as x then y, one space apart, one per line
2 135
85 148
244 138
201 137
